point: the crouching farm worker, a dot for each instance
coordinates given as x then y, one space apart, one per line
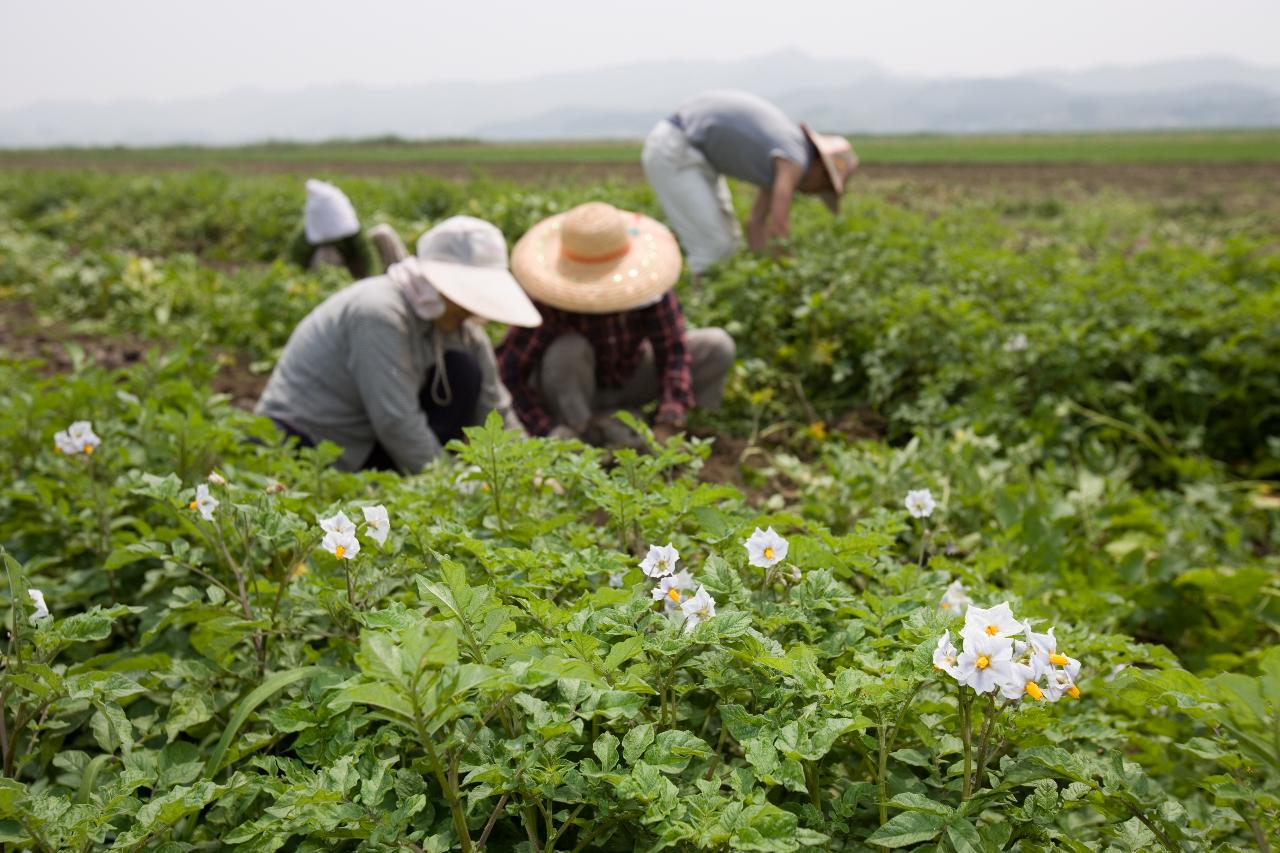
727 132
613 334
390 368
330 236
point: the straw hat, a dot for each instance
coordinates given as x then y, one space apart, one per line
596 259
838 160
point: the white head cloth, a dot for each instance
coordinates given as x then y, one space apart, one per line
329 214
422 295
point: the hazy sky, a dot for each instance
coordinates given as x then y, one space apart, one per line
110 49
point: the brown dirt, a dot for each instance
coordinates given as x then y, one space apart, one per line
24 335
1163 180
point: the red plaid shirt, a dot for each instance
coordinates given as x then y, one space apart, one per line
618 341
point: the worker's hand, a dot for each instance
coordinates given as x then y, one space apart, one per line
664 431
562 431
551 484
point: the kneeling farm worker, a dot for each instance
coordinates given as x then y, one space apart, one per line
389 368
613 334
330 235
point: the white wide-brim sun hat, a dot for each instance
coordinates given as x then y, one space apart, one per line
465 259
597 259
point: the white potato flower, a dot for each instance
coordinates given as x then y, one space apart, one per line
42 609
1059 682
660 561
1021 681
945 655
216 479
338 523
1045 649
77 438
765 548
204 502
955 599
344 546
1017 343
985 663
995 621
697 608
377 523
920 503
673 590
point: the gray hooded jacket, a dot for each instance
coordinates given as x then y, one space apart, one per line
352 371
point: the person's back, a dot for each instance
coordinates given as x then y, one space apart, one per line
740 133
314 388
727 132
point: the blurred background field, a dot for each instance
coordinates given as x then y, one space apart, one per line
1174 147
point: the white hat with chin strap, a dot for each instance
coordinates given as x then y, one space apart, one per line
465 259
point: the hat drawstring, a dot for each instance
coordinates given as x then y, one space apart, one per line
441 393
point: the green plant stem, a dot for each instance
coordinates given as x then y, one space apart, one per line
437 768
243 594
715 760
351 588
1159 833
924 545
988 724
493 819
966 735
882 771
104 528
564 827
812 776
494 489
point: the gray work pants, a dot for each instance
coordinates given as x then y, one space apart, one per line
567 377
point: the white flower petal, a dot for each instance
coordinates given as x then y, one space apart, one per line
660 561
377 523
920 503
765 548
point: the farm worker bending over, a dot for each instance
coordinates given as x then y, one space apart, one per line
330 235
389 368
728 132
613 335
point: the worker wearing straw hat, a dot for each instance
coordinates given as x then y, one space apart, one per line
613 334
728 132
389 368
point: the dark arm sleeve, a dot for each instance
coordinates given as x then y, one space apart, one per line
518 356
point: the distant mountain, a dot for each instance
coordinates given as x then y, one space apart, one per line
1162 77
625 101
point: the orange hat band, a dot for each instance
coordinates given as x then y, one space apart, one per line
594 259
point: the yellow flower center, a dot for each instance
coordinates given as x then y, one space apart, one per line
1057 659
768 553
674 594
1073 692
982 662
946 605
88 450
191 505
339 551
992 630
1034 691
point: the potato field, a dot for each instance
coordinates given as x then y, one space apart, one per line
1082 372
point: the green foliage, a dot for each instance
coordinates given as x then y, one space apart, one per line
498 675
